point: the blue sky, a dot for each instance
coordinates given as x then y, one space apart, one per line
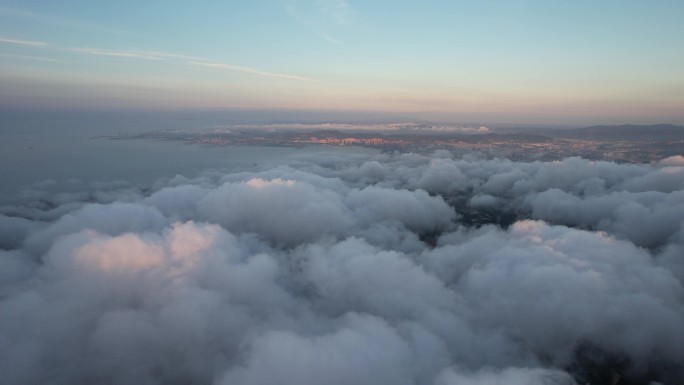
511 61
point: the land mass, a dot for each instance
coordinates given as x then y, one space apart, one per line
622 143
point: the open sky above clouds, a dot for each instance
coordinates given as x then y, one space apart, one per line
491 60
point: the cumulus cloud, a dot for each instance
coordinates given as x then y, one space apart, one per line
351 270
511 376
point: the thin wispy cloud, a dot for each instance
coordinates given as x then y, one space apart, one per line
336 10
31 43
125 54
322 17
31 57
169 55
145 55
33 17
228 67
332 39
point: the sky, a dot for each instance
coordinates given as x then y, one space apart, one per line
506 61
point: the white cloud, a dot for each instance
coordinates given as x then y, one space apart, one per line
125 54
148 55
350 270
31 43
336 10
229 67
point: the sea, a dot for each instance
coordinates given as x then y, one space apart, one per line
39 150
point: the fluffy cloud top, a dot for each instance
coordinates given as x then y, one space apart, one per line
357 271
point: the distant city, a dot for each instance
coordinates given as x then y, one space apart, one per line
627 144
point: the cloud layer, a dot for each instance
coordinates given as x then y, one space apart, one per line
351 270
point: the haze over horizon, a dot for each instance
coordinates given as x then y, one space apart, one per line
496 61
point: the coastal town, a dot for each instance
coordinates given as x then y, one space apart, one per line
517 145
